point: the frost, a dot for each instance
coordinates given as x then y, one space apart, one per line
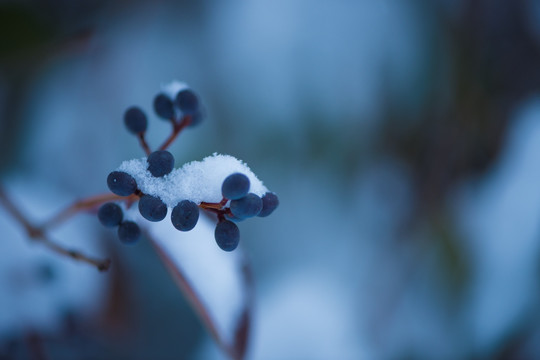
198 181
173 88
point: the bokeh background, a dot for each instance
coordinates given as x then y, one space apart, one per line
403 138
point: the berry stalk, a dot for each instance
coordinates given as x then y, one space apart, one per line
177 129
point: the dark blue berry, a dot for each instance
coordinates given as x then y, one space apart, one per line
110 214
270 202
227 235
185 215
135 120
121 183
129 232
235 186
160 163
246 207
187 102
163 106
152 208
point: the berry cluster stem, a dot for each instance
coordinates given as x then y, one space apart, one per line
212 206
144 144
88 204
39 234
216 208
177 129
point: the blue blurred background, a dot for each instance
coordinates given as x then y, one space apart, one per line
403 138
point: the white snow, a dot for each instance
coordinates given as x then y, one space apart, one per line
216 276
173 88
197 181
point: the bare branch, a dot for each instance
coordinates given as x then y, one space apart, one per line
144 144
38 234
88 204
177 129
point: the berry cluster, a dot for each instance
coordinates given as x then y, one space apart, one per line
157 186
184 106
241 205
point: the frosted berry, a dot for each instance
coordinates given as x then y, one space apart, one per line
152 208
129 232
110 214
187 102
235 186
121 183
163 106
246 207
160 163
185 215
270 202
227 235
135 120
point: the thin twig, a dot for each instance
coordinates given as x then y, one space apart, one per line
38 234
14 211
144 144
101 265
177 129
217 208
88 204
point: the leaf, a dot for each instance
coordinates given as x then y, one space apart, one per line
217 283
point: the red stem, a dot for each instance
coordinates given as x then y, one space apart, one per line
88 204
217 208
144 144
177 129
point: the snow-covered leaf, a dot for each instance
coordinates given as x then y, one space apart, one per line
217 283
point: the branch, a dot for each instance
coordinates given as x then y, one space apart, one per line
88 204
38 234
177 129
217 208
144 144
